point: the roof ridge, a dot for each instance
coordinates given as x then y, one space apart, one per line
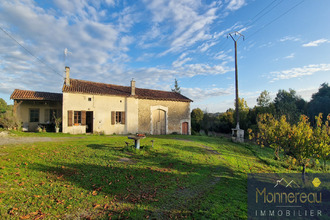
35 95
97 82
84 86
157 90
26 90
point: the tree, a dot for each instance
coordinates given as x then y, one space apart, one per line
207 123
264 99
196 119
3 106
295 140
320 102
243 113
176 87
300 143
273 132
322 139
289 104
225 121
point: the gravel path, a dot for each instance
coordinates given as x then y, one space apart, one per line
6 139
22 140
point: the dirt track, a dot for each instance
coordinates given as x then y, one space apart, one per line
22 140
6 139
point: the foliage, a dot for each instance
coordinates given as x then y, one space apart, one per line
57 120
207 123
225 121
322 139
9 121
299 144
243 114
3 106
289 104
300 141
197 116
286 103
272 132
320 102
264 99
176 87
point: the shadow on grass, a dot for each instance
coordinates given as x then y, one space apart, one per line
161 185
162 193
98 146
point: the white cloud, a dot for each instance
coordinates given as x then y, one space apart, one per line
182 60
101 41
205 46
225 32
97 48
289 38
197 94
316 43
163 76
307 93
223 55
191 70
269 44
243 30
291 56
235 4
187 22
300 71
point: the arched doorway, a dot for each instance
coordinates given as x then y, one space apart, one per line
184 128
159 122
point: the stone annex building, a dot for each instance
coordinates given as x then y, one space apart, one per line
88 107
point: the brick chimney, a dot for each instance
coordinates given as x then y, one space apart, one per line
132 87
67 76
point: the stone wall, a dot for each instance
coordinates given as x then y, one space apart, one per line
176 114
138 112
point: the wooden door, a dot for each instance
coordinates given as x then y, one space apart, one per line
159 122
185 128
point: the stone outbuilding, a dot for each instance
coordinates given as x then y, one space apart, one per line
90 107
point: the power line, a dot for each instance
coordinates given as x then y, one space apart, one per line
266 11
263 9
296 5
224 44
29 52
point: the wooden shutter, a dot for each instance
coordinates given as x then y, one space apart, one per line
83 117
113 118
70 113
123 118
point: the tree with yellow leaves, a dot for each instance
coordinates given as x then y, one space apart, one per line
322 139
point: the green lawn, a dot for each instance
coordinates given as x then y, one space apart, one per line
98 177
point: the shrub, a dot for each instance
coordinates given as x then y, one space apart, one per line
9 121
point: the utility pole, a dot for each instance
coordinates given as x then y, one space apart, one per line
236 36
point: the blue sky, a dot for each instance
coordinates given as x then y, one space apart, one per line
286 45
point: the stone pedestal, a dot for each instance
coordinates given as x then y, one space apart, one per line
136 140
237 135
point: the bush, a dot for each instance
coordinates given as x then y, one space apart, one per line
9 121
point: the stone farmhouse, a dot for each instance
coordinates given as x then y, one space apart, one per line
89 107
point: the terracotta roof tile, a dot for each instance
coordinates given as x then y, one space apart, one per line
81 86
34 95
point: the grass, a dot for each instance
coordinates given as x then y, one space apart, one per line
99 177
